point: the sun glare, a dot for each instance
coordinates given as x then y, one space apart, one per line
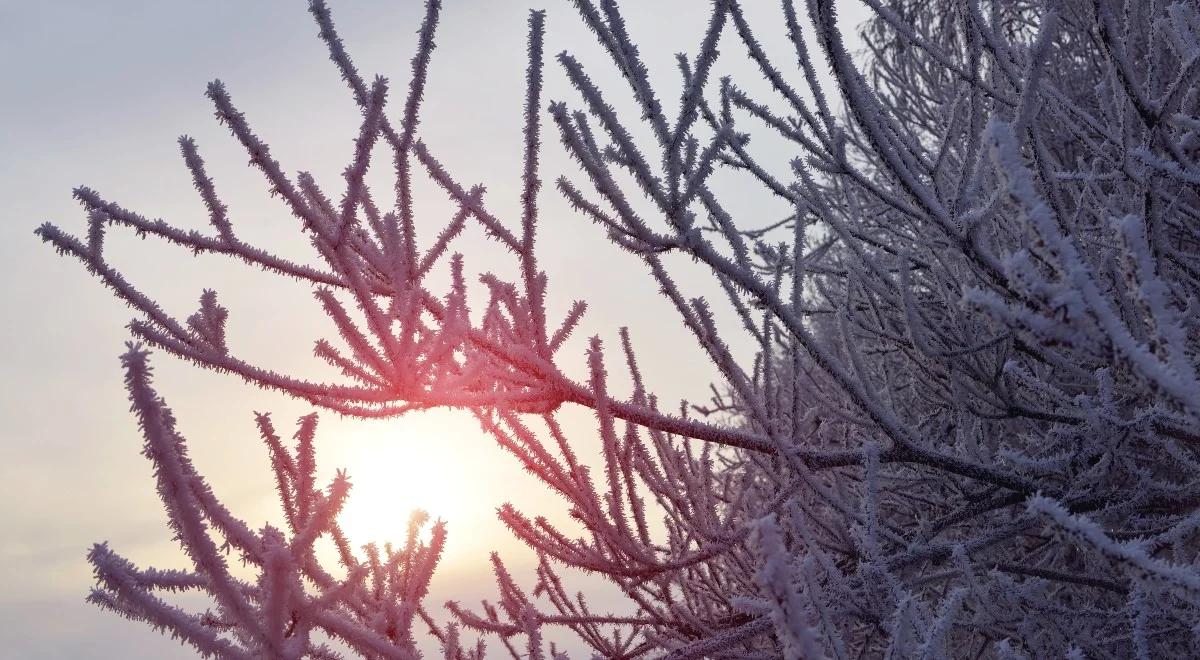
383 497
438 462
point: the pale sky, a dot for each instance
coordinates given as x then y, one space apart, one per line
95 93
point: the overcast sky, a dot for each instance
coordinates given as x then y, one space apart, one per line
95 93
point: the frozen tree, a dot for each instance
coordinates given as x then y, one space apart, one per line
972 424
371 610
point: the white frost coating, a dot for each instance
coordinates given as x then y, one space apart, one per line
777 581
971 424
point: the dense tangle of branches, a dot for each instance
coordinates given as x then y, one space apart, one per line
973 421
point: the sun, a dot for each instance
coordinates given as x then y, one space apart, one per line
440 462
383 497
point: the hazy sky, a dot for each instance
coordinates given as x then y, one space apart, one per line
95 93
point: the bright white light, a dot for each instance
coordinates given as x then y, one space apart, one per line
439 462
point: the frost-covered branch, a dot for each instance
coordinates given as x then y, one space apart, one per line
968 417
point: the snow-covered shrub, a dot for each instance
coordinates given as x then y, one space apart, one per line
972 425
